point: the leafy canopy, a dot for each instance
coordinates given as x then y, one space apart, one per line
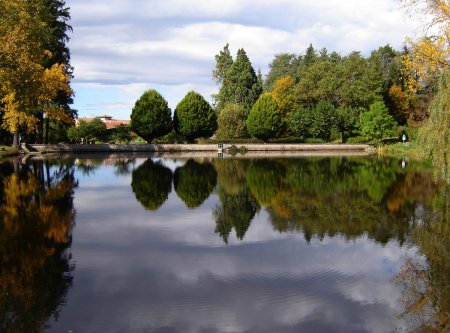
377 123
231 122
264 120
151 116
194 117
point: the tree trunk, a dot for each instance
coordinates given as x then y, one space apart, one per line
16 139
40 128
47 128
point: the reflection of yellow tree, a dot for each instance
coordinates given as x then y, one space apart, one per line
413 186
35 226
22 200
426 289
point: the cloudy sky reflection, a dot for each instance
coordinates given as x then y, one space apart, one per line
168 271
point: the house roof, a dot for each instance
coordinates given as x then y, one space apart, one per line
109 122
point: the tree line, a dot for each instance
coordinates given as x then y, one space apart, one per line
317 96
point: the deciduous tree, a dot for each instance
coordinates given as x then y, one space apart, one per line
434 137
27 87
231 122
377 123
430 53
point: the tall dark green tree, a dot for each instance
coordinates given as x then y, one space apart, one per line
306 60
194 117
282 65
240 85
385 60
224 61
57 21
151 116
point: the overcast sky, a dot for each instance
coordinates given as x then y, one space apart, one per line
120 48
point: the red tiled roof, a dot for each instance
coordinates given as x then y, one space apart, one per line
110 123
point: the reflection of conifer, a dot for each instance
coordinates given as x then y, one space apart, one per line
264 179
151 184
235 211
194 182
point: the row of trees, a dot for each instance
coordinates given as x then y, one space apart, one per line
35 69
193 117
317 95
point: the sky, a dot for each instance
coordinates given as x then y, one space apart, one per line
121 48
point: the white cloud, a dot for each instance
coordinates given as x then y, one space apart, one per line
172 43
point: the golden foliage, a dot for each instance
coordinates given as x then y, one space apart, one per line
26 86
400 100
13 118
23 199
283 95
430 53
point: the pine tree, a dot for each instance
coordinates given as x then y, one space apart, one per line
240 85
224 61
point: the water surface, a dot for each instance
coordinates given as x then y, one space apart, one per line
342 244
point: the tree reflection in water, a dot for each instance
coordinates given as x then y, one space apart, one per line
151 184
237 204
36 222
352 197
425 283
194 182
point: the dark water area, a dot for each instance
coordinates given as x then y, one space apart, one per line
306 244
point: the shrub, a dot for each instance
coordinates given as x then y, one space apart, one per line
194 117
264 120
151 116
231 122
377 123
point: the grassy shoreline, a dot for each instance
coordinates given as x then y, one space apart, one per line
410 150
6 151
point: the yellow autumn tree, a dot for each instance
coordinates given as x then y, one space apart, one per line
26 86
430 56
430 53
283 95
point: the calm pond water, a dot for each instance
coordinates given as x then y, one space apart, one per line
329 244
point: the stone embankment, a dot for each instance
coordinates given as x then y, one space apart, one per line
161 148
